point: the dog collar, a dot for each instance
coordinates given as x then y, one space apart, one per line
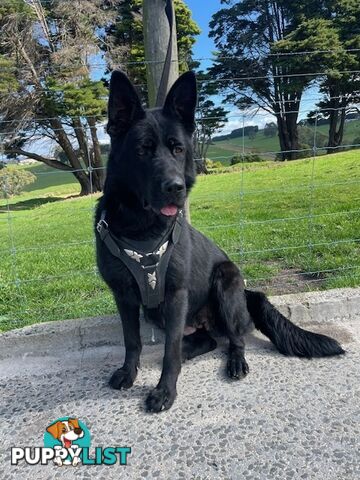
147 260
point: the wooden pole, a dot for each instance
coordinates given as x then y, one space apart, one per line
156 39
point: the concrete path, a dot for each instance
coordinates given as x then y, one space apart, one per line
289 419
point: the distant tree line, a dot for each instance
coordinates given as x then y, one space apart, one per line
249 131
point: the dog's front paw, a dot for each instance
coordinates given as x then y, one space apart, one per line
122 378
237 366
160 398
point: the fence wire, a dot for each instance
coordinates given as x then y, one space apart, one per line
286 233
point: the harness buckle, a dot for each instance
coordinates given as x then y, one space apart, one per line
101 224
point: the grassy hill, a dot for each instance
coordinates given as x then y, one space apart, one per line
224 150
290 226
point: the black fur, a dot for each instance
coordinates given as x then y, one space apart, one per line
288 338
151 167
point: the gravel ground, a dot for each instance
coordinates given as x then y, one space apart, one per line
288 419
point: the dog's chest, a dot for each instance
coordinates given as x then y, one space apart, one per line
116 274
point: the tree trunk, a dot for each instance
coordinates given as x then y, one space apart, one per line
336 133
85 183
78 170
97 162
283 137
201 166
51 162
288 135
292 128
82 140
199 154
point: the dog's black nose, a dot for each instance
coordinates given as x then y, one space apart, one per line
173 186
77 431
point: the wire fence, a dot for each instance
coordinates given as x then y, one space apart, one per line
290 226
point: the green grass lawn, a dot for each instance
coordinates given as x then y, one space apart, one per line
290 226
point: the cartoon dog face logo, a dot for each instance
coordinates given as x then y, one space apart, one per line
66 432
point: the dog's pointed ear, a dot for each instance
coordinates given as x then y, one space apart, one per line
181 100
124 107
54 430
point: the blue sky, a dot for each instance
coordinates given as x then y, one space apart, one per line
202 11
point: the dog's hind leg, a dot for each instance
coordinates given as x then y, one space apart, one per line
230 304
197 343
124 377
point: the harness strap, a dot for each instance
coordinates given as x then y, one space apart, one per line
148 268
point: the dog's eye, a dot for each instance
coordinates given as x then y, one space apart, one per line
178 150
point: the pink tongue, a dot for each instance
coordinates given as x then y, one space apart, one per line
169 210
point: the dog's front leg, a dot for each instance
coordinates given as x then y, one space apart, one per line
175 310
124 377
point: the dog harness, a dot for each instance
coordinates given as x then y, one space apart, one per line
147 260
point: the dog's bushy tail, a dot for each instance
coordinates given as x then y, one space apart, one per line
288 338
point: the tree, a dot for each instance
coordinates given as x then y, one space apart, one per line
252 131
251 37
13 180
49 90
8 83
340 91
210 118
270 129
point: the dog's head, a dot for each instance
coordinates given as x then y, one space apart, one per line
151 158
66 431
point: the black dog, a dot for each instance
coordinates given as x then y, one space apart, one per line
149 255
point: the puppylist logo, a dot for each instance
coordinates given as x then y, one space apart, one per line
67 443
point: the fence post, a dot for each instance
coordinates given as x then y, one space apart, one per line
156 42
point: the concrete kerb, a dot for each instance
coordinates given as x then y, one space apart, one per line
54 338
